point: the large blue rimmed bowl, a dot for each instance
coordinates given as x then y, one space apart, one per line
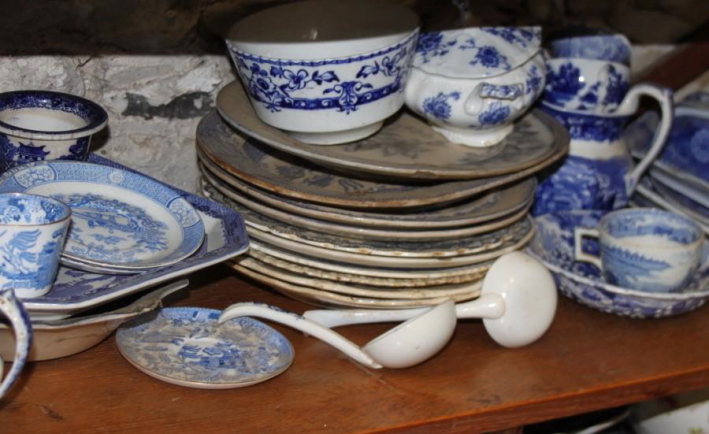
37 125
553 244
325 72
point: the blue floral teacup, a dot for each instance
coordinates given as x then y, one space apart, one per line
611 48
32 234
587 85
644 249
44 125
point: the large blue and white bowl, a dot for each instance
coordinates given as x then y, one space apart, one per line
325 72
553 244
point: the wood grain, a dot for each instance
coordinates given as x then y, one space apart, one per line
587 361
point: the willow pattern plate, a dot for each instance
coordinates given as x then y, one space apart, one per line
286 175
222 193
472 211
323 298
392 271
406 146
186 346
360 290
119 219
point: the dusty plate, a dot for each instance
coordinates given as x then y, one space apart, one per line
488 206
406 146
283 174
360 290
187 347
390 272
322 298
220 192
265 228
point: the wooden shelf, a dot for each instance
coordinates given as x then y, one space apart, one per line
587 361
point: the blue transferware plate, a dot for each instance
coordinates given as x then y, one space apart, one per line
75 290
186 346
553 244
120 219
697 200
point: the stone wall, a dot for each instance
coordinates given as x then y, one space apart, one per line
156 65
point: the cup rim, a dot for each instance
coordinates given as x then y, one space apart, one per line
46 198
603 222
597 62
95 123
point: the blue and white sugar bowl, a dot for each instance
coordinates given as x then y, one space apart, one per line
325 72
471 84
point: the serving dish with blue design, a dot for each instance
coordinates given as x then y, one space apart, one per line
76 290
553 244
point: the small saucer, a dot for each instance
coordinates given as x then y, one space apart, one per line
187 347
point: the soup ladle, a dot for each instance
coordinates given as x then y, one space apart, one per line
517 303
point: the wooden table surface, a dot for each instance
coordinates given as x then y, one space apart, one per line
587 361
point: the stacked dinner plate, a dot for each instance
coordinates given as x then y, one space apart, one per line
400 219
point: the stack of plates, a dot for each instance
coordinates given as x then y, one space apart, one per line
400 219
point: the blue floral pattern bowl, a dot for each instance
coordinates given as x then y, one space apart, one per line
553 244
44 125
471 84
334 88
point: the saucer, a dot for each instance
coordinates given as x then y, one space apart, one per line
488 206
120 219
553 244
222 193
406 147
187 347
283 174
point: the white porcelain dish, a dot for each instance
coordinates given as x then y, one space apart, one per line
323 79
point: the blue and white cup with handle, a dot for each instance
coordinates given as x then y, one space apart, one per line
645 249
33 230
12 309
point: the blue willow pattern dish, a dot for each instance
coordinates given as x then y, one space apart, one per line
340 85
119 219
553 244
76 290
188 347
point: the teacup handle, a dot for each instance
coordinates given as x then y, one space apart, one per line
12 308
474 105
629 106
579 254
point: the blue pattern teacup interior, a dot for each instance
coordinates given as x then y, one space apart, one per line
44 125
611 48
32 234
644 249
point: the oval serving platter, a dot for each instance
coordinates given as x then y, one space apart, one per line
284 174
407 147
120 219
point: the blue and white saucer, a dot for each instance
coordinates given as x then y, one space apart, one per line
187 347
553 244
120 220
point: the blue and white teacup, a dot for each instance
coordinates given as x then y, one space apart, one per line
644 249
37 125
32 234
585 85
611 48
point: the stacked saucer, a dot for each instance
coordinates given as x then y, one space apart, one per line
400 219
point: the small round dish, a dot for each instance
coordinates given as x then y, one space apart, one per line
187 347
406 147
120 219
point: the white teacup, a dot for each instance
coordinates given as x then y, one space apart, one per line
644 249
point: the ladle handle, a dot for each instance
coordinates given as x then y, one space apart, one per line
298 322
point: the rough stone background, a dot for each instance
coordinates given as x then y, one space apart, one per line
156 65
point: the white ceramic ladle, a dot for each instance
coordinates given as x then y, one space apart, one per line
408 344
517 303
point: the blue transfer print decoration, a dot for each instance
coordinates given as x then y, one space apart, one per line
189 345
495 114
432 45
514 35
485 55
438 107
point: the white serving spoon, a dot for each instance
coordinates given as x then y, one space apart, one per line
517 303
407 344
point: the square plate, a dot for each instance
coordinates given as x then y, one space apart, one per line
75 291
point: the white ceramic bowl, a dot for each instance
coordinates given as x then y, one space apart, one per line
325 72
686 413
472 84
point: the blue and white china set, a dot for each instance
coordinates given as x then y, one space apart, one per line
311 163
